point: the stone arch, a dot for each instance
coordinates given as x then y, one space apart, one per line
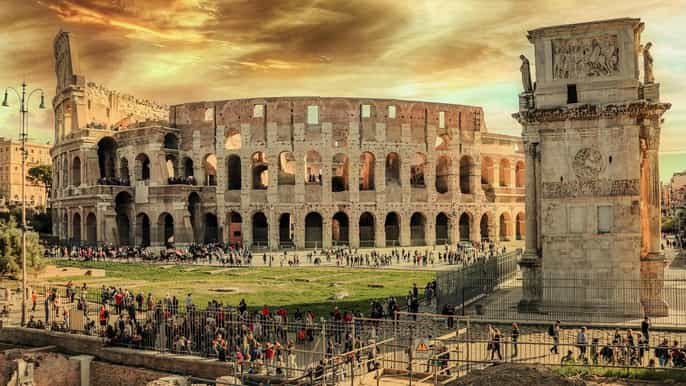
107 153
392 228
286 168
235 226
165 224
260 171
194 210
313 167
209 165
142 167
91 229
142 230
504 225
520 226
124 209
367 229
339 173
519 174
443 174
487 169
171 141
313 230
465 226
232 140
188 171
260 230
417 169
392 169
442 228
285 229
233 172
505 172
211 228
466 172
340 229
418 229
76 229
485 226
367 166
76 171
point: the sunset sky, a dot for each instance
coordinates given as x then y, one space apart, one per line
461 51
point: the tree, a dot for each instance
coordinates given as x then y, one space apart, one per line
10 248
42 174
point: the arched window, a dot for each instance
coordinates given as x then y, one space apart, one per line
465 227
210 167
313 168
233 169
418 229
166 226
260 230
142 167
392 229
442 229
340 229
233 140
260 171
286 168
339 173
442 174
417 170
367 164
392 169
171 141
76 171
107 149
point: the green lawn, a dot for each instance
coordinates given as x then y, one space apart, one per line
309 288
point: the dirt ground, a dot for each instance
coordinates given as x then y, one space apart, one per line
51 272
517 375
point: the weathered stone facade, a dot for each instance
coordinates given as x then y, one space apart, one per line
291 172
592 132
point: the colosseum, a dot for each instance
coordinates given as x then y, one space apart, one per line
274 173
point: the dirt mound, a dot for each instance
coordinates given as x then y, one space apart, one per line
515 375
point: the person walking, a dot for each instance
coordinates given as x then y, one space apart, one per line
645 329
515 339
582 342
554 332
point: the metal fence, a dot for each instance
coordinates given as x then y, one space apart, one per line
463 285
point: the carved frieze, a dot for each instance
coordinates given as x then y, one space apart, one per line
590 112
590 57
588 163
590 188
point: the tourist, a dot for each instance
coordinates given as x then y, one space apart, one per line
581 342
554 332
645 328
515 338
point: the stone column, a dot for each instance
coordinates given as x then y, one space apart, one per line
430 230
326 230
380 229
530 264
652 258
246 228
273 233
405 229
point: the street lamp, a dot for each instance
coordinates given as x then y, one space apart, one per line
23 135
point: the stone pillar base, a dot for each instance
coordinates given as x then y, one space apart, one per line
653 285
532 282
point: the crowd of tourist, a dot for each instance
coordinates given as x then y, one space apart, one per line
114 181
181 180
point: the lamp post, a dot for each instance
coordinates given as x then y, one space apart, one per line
23 99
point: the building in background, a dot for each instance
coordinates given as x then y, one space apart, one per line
290 172
677 188
10 172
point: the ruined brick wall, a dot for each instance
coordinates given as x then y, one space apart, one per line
107 374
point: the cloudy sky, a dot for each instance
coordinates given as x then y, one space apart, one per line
173 51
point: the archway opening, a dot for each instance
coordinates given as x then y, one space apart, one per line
260 171
504 225
211 228
233 140
392 229
367 231
505 172
340 229
465 227
442 225
417 229
188 169
166 226
442 174
76 229
519 174
520 226
171 141
91 229
235 224
76 171
285 230
142 167
233 170
260 230
286 168
339 173
142 230
107 149
313 168
417 170
209 165
123 208
313 230
367 164
392 169
466 171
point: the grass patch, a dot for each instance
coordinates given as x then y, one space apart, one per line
646 374
306 288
